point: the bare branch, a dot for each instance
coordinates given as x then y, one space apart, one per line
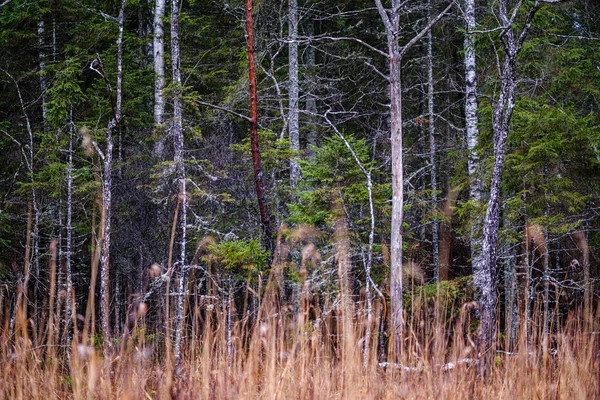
227 110
424 31
344 39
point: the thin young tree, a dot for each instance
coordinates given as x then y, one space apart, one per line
294 90
107 157
178 158
159 61
395 53
257 167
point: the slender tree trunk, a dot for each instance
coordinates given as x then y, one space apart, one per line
43 83
159 62
32 248
178 146
485 273
435 223
107 188
258 173
294 89
311 103
395 54
471 120
68 250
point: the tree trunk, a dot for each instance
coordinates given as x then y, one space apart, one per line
435 223
485 273
69 278
395 54
294 88
178 147
107 188
43 83
258 173
159 62
471 120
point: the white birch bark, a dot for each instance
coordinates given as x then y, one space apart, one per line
107 189
294 89
159 62
178 146
432 149
485 274
471 120
68 250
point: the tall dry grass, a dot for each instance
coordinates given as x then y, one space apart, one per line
276 355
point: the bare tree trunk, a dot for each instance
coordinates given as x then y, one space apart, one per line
32 247
159 62
395 54
485 273
44 97
294 89
178 146
107 185
258 173
435 223
471 120
43 83
68 251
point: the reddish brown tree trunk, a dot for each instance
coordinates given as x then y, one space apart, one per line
258 180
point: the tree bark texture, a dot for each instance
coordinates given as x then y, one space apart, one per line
178 147
159 62
258 172
395 53
294 89
485 272
430 111
107 185
471 120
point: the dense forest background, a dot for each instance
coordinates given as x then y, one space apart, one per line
136 182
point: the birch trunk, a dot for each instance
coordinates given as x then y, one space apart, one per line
435 223
43 83
178 147
159 62
471 120
107 188
294 89
69 278
485 273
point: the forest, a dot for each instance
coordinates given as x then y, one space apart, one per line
328 199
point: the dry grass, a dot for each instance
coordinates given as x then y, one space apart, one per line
275 356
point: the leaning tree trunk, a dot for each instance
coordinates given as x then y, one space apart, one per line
258 173
178 146
485 273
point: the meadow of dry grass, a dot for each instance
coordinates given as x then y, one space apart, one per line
280 357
